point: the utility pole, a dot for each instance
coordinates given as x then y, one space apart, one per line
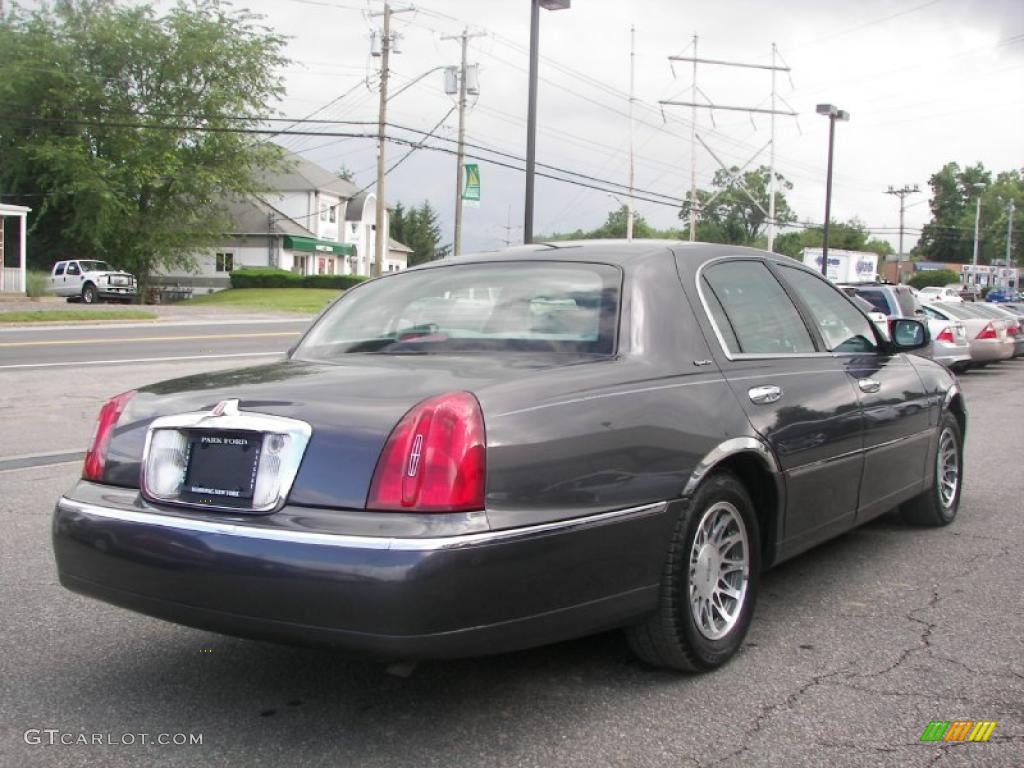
902 195
464 38
734 177
1009 247
771 164
508 227
693 147
632 82
380 236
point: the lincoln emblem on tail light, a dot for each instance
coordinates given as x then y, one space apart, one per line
414 455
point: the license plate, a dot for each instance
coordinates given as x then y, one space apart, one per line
222 465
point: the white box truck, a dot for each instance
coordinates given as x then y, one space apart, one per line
845 266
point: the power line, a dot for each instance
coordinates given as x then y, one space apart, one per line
601 185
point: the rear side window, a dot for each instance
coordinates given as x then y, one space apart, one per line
877 300
843 327
59 269
908 304
73 269
545 307
751 311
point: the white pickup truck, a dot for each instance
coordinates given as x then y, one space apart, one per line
90 281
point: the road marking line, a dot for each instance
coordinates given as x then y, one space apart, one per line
135 339
143 360
85 325
40 460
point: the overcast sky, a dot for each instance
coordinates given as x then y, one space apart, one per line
925 81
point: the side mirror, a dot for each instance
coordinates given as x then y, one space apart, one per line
908 335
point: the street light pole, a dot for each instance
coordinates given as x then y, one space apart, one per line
833 113
977 220
531 109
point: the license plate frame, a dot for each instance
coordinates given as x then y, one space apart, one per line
221 467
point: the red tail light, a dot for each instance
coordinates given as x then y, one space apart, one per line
96 457
946 334
988 332
434 460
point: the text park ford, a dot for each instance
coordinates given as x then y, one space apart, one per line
506 450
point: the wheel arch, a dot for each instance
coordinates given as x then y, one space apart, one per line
954 403
752 461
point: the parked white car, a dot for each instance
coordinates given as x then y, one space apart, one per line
935 293
90 281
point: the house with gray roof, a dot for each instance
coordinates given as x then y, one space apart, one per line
310 222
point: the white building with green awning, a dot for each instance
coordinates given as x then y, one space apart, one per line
310 222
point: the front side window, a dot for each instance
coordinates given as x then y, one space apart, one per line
529 307
843 327
752 312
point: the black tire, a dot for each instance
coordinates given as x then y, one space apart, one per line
671 637
936 506
89 294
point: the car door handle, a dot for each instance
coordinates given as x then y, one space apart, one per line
764 395
869 385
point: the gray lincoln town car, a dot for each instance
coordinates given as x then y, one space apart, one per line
510 449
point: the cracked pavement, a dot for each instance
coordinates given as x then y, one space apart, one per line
855 647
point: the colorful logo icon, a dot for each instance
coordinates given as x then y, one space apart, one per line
958 730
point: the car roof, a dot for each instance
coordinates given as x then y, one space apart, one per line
620 252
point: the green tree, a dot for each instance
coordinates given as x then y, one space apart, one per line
614 227
949 235
419 229
939 277
851 235
726 213
116 125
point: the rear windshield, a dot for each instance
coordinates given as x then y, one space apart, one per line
545 307
959 311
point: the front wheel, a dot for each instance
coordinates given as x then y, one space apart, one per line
709 583
89 293
939 504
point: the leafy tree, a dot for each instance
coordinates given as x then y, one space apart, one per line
419 229
939 277
114 126
949 235
614 227
345 174
849 236
727 214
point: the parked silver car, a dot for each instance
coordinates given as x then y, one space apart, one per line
986 337
949 343
1014 323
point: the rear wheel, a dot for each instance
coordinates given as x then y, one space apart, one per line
89 293
939 504
709 583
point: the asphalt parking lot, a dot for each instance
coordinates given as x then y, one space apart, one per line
855 648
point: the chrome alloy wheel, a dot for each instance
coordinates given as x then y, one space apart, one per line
947 468
719 569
